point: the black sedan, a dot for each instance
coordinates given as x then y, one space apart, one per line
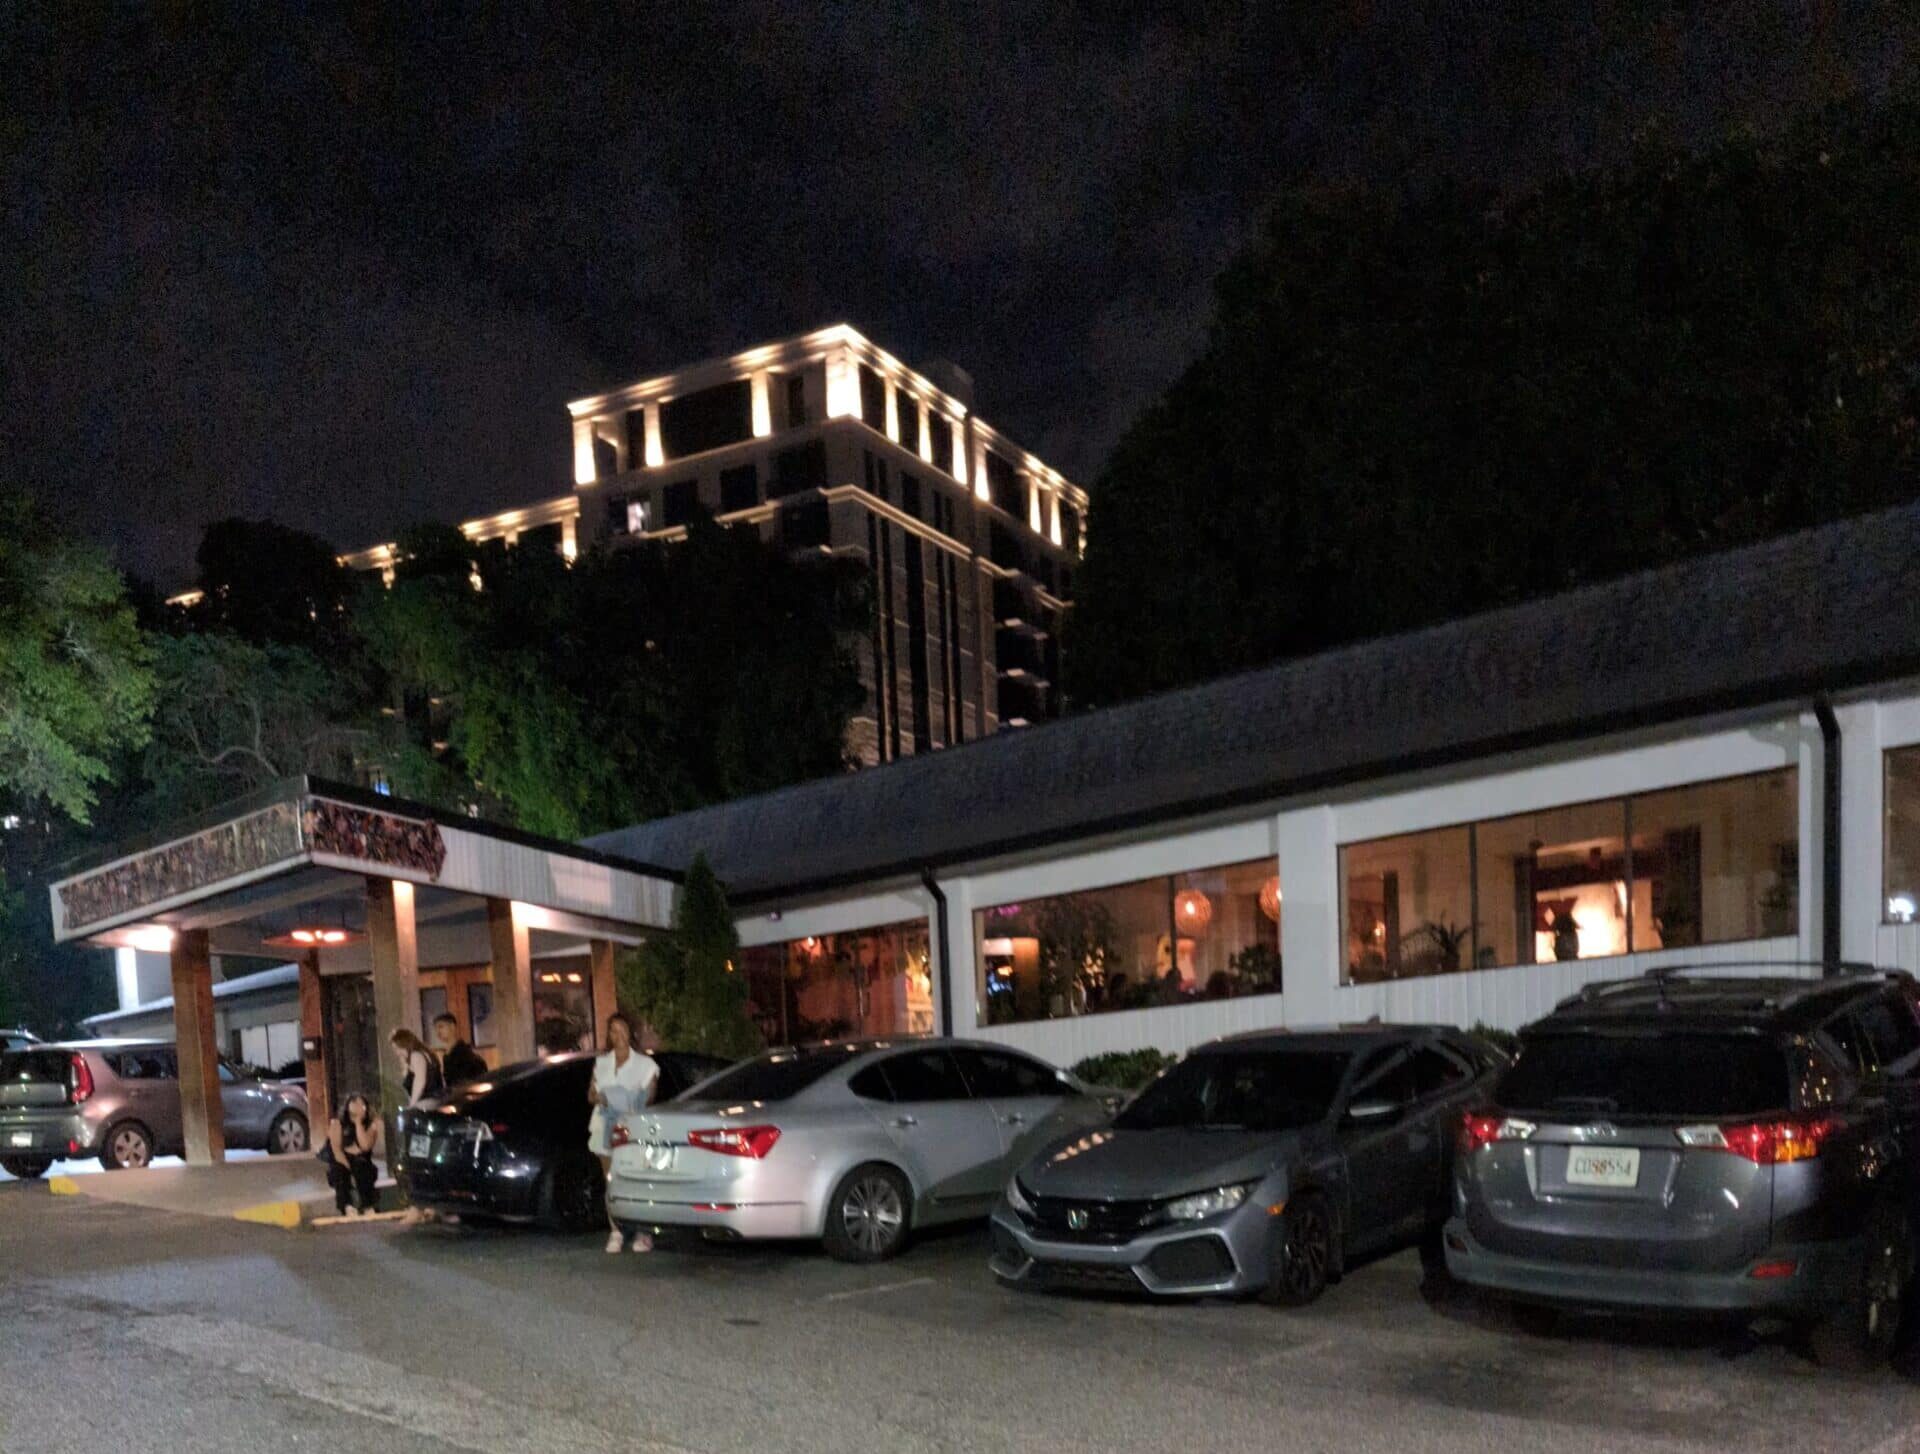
514 1146
1263 1164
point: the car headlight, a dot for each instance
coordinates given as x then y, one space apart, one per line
1017 1199
1203 1204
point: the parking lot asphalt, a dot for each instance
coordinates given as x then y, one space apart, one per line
123 1328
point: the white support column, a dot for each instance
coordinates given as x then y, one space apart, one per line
762 406
1033 502
1310 917
570 538
926 429
960 432
656 456
892 411
584 472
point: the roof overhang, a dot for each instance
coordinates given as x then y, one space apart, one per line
305 847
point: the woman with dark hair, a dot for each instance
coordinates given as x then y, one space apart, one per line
353 1140
623 1080
421 1076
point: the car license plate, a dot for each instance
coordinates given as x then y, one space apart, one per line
1614 1166
20 1138
417 1146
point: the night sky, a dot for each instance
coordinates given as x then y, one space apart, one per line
346 272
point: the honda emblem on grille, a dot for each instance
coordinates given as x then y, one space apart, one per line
1077 1219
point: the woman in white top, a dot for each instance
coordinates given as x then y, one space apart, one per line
623 1080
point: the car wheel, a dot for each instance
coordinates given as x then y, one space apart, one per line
1303 1253
867 1214
287 1136
573 1196
27 1168
126 1147
1859 1333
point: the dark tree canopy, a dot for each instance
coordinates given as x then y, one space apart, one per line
1413 409
639 681
266 582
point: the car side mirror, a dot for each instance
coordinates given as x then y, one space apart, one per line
1373 1113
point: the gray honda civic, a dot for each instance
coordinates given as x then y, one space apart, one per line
1263 1163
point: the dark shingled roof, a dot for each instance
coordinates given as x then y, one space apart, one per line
1822 610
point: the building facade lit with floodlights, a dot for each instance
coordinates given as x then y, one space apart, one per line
826 443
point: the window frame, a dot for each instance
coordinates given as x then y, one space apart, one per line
1471 827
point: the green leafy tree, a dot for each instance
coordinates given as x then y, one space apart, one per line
686 984
266 582
641 681
234 716
1415 406
76 686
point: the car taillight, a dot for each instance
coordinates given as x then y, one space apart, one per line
1764 1143
1483 1128
754 1141
82 1079
618 1136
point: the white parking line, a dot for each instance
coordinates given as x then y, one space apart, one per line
834 1297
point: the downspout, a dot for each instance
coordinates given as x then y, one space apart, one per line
1829 833
940 929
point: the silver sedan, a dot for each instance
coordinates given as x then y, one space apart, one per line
856 1142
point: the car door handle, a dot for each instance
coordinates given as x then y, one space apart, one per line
1013 1118
905 1121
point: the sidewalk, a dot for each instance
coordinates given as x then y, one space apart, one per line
279 1191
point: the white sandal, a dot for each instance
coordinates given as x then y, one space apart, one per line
642 1242
616 1242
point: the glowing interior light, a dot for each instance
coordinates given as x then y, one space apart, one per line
1901 908
762 407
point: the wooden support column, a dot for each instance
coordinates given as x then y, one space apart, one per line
202 1118
395 950
606 989
313 1031
512 982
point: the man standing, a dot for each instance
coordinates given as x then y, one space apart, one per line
459 1061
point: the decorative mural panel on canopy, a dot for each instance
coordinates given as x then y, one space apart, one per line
372 837
256 841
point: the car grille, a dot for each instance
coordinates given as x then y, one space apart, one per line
1191 1260
1105 1221
1082 1277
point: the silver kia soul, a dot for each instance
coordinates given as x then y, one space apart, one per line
119 1100
1692 1144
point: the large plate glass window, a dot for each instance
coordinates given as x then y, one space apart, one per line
1711 863
1211 933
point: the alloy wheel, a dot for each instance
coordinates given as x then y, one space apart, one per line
130 1148
872 1214
1307 1252
289 1135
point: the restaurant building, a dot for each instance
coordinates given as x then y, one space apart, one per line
1713 764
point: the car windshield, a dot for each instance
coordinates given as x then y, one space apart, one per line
1657 1074
777 1075
1240 1090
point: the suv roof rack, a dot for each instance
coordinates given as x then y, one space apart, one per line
1660 976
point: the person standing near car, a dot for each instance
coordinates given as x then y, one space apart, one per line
624 1079
353 1140
459 1061
421 1080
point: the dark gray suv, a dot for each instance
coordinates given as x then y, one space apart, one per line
1692 1144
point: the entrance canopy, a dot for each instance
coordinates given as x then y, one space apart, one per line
347 883
298 855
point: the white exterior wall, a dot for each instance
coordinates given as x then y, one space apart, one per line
1303 838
